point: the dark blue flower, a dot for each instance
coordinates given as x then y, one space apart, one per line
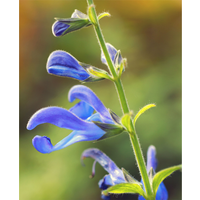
62 63
59 28
79 119
77 21
162 193
115 175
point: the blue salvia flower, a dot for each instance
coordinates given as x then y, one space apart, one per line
77 21
62 63
115 175
152 163
79 119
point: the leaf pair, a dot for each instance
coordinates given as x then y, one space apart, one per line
135 188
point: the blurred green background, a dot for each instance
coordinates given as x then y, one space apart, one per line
148 33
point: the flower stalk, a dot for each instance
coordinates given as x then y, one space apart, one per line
123 101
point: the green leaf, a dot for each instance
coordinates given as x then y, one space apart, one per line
104 14
161 175
131 188
141 111
127 122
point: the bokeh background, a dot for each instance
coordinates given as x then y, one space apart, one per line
148 33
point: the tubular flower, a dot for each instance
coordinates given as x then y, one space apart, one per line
161 193
62 63
115 175
77 21
79 119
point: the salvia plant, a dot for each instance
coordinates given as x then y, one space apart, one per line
90 120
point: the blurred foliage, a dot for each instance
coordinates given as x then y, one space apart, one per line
148 33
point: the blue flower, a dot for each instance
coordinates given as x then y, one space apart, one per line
115 175
63 64
162 193
77 21
79 119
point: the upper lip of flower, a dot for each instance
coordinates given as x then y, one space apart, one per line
62 63
77 119
116 174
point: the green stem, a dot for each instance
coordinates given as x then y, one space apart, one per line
121 94
101 40
141 164
124 104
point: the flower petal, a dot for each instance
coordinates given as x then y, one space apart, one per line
151 158
79 136
162 193
82 110
115 173
42 144
105 182
61 63
112 52
85 94
94 117
58 28
104 197
59 117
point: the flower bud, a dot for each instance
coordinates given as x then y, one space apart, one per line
61 63
63 26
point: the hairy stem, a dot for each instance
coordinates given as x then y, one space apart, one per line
123 101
